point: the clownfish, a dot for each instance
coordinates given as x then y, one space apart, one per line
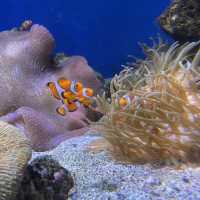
53 90
61 88
85 97
72 94
76 87
87 92
85 101
124 101
71 105
65 84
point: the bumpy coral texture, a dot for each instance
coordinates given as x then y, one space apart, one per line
26 65
162 123
15 152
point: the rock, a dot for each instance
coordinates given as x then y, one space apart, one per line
182 20
45 179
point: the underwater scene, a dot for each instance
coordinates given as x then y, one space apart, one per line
100 100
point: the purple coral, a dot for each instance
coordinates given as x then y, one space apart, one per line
26 65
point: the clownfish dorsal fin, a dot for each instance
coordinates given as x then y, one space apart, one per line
64 83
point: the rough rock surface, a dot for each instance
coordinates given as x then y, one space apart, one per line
45 179
182 19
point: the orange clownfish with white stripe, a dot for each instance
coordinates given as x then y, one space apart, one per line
127 101
85 96
72 94
124 101
65 84
71 105
54 91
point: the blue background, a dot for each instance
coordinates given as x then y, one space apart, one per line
104 31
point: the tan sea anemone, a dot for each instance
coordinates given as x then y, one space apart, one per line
15 151
162 122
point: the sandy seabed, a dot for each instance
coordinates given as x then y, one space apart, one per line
98 177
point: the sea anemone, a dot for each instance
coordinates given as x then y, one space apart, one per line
162 121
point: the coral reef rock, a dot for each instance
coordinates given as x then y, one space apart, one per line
45 179
15 153
26 66
182 19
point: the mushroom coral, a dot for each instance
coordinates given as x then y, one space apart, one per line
162 121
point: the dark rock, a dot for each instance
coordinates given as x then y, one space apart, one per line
182 20
45 179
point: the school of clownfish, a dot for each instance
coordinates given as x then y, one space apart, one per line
73 94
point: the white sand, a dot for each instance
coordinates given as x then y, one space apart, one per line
97 177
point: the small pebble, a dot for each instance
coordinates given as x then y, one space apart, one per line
153 181
185 179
